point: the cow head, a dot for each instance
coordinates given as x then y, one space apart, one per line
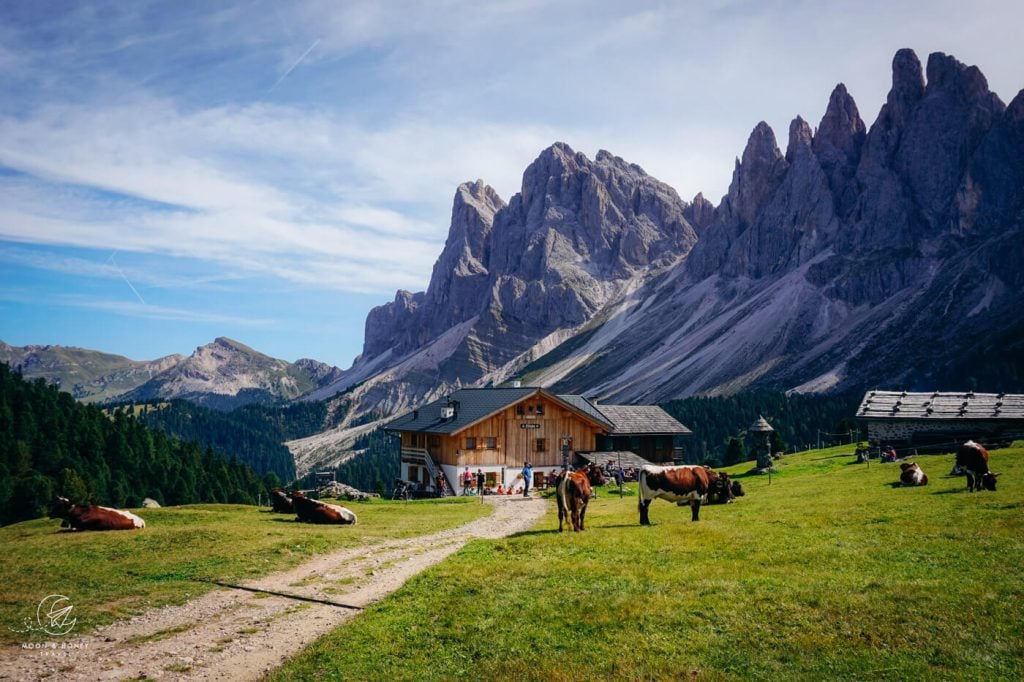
988 481
719 487
737 489
60 508
594 474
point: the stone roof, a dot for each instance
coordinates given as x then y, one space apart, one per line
628 458
642 419
474 404
939 405
760 425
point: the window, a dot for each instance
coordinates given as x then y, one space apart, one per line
519 409
634 443
470 443
540 408
491 478
490 443
541 445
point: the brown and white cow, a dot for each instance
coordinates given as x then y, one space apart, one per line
573 491
281 503
688 484
315 511
912 475
973 459
93 517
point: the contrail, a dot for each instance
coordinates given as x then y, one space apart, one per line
125 278
292 67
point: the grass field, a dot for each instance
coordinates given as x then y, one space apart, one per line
828 573
112 575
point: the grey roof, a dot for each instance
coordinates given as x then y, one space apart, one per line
584 405
760 425
642 419
938 405
626 457
474 405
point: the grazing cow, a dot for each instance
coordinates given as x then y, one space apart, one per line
721 490
912 475
973 459
281 503
315 511
573 491
682 484
93 517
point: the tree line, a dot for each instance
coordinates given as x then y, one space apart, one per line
51 444
720 423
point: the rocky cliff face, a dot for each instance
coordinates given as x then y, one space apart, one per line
858 256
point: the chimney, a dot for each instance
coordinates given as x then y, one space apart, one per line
516 383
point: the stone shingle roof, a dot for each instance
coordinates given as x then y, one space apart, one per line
642 419
939 405
474 404
626 457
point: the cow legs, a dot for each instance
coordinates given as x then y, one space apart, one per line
970 481
645 518
695 508
583 512
561 515
575 517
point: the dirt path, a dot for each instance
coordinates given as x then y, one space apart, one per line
230 634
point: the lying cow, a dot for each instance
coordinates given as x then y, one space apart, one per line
281 503
315 511
687 484
973 459
93 517
574 491
912 475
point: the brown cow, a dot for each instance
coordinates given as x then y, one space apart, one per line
973 459
682 484
912 475
573 491
93 517
721 490
315 511
281 503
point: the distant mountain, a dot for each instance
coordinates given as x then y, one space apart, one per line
223 375
890 255
88 375
226 374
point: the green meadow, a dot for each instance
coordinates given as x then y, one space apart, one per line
113 575
828 572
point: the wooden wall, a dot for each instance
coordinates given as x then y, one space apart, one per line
514 445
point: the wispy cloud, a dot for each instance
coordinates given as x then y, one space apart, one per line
130 308
294 64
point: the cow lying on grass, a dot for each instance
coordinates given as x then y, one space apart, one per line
722 490
912 475
973 459
681 484
573 491
93 517
315 511
281 503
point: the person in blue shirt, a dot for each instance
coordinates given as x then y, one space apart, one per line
527 478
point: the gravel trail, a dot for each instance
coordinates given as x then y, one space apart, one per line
231 634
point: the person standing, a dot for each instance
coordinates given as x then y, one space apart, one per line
527 478
480 481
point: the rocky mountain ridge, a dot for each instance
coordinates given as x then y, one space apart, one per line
859 256
223 374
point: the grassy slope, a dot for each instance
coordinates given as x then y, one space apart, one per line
115 574
829 573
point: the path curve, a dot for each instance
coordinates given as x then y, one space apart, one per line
229 634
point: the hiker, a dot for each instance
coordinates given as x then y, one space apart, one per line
527 477
467 481
620 476
480 479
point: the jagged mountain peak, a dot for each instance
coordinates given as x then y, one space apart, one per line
907 80
800 138
230 344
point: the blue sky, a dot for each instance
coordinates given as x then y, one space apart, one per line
270 170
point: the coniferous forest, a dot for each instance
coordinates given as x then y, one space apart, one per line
798 421
52 445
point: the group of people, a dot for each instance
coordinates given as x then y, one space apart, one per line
618 473
476 484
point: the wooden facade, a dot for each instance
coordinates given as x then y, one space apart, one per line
529 431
